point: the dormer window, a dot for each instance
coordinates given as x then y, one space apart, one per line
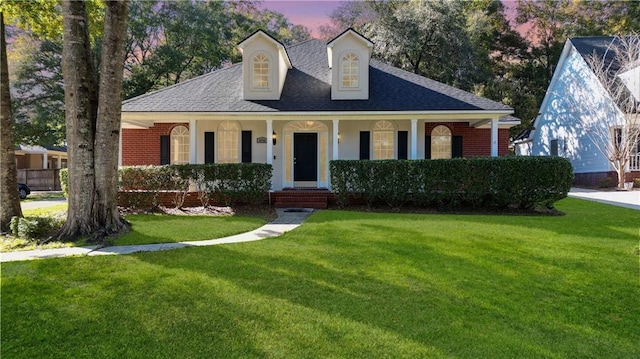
349 69
260 72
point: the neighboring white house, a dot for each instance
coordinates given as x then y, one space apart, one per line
576 102
297 107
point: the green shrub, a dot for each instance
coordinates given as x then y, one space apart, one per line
636 182
504 182
36 227
227 183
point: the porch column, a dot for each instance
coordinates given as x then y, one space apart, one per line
193 141
336 133
414 139
270 141
494 137
59 161
44 161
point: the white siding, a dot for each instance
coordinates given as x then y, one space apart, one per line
574 104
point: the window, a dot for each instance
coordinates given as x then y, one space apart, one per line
179 145
440 142
350 70
228 142
261 72
553 150
383 140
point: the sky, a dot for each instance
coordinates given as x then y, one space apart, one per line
313 13
310 13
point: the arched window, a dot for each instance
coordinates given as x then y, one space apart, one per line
440 142
179 145
383 140
261 71
228 142
350 70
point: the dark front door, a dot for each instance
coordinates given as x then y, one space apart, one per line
305 156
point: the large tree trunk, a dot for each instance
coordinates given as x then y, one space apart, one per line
9 200
108 123
93 122
80 95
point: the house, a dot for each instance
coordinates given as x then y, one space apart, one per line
38 157
298 107
575 105
39 167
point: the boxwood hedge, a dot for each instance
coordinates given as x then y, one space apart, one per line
228 182
498 182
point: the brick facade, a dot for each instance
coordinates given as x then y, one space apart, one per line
475 142
142 146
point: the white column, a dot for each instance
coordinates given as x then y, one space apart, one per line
336 133
414 139
494 137
59 161
193 141
270 141
44 161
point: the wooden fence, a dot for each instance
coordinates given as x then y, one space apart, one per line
40 179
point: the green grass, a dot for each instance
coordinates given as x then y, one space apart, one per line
43 196
155 228
151 228
348 285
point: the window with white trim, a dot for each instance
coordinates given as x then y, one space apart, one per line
179 145
350 64
228 142
260 65
383 140
440 142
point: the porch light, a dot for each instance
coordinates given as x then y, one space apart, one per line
339 137
273 138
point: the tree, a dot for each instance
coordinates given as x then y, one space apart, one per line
172 41
93 121
618 139
8 173
39 96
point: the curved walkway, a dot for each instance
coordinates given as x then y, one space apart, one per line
286 221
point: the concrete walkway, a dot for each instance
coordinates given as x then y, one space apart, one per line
627 199
286 221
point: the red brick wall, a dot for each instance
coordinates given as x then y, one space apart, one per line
142 146
475 142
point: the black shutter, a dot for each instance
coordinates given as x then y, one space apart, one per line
427 147
364 145
165 150
456 146
403 142
209 147
246 146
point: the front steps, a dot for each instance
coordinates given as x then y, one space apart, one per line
293 198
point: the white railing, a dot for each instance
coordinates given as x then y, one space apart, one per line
634 162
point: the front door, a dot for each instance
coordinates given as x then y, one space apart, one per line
305 157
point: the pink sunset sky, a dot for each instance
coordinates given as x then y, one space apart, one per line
313 13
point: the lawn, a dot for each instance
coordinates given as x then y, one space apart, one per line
160 228
348 285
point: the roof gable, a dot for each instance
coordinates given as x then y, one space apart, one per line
308 89
260 33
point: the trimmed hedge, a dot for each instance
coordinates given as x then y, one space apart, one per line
498 182
227 183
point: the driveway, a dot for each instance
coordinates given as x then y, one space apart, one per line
627 199
41 204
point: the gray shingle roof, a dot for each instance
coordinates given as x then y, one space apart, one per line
307 88
602 46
